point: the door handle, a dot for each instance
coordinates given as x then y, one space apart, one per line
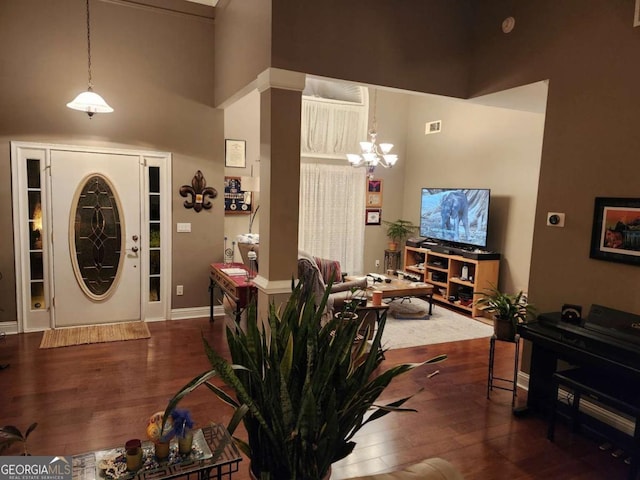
134 249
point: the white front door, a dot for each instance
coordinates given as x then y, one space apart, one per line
96 226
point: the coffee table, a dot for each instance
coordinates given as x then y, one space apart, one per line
397 288
220 463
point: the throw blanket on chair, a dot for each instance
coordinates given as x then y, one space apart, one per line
329 269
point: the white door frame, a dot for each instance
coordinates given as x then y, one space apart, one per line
30 319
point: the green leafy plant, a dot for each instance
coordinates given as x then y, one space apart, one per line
302 389
398 230
507 307
10 435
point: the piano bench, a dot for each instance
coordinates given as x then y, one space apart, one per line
605 389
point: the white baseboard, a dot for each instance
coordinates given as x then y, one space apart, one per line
611 417
9 328
195 312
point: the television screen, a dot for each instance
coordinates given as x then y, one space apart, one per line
455 215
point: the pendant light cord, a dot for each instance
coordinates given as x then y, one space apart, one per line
89 45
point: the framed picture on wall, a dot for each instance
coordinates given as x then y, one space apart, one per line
374 192
615 236
236 200
373 216
235 153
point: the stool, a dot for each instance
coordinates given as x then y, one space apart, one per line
606 389
514 383
391 260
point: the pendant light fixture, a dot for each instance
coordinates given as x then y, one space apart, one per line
373 154
89 101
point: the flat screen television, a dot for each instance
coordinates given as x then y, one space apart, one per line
456 216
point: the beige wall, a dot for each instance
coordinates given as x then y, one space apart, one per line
155 68
591 144
243 45
480 147
242 122
392 116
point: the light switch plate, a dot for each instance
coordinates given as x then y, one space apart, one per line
183 227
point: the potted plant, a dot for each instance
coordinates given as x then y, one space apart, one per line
508 311
10 435
302 389
397 231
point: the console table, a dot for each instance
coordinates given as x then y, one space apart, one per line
235 286
222 463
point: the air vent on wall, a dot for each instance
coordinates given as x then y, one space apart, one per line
434 127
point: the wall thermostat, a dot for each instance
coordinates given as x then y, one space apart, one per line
555 219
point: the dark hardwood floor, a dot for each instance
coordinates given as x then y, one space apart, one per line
96 396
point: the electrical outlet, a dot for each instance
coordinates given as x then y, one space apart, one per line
179 290
377 263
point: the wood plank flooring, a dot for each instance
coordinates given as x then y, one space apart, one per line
95 396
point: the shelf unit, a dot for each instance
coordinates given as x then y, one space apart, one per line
444 272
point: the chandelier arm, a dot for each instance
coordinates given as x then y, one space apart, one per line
372 154
89 45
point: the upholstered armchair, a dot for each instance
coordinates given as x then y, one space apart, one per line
317 273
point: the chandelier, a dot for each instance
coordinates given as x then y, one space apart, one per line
373 154
89 101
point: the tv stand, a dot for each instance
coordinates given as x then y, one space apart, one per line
444 271
467 252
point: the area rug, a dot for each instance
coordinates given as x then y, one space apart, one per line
114 332
442 326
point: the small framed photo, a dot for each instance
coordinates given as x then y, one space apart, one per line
374 192
374 199
615 236
235 153
236 200
373 216
374 185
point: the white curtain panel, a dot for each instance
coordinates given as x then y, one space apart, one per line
332 209
332 129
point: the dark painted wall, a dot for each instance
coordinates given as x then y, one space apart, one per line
589 52
421 46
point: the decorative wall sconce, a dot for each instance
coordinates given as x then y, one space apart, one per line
199 193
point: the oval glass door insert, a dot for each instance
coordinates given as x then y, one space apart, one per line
96 237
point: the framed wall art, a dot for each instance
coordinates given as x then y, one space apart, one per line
236 200
373 216
374 192
616 230
235 153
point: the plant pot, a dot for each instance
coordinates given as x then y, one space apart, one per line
253 476
504 329
161 450
185 443
393 246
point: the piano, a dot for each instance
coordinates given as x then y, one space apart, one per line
607 342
